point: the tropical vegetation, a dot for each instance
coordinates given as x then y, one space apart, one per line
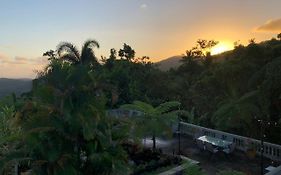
61 126
154 121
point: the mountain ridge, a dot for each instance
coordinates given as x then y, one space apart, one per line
175 61
17 86
168 63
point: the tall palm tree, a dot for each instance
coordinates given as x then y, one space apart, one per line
69 52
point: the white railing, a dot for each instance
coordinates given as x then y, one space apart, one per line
271 151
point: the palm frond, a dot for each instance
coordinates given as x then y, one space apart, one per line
87 53
170 117
70 57
68 48
168 106
130 107
139 106
90 44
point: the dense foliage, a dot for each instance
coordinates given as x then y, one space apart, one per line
154 121
233 90
61 126
230 91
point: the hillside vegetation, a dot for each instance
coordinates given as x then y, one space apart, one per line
231 94
172 62
61 127
229 91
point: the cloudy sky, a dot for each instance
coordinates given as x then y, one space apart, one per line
156 28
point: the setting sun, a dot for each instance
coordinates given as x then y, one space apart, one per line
221 47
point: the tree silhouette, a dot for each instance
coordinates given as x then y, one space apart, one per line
127 52
51 54
112 57
279 36
155 121
69 52
252 41
143 60
201 51
113 54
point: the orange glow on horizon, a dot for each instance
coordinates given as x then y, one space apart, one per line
221 47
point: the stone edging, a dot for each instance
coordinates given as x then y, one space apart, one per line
180 168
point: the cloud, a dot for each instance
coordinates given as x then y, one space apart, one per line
143 6
3 58
270 26
22 60
17 58
18 70
19 66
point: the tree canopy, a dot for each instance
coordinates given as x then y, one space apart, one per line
61 126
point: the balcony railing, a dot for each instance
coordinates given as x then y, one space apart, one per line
271 151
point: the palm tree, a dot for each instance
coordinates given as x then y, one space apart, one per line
64 129
236 112
155 120
69 52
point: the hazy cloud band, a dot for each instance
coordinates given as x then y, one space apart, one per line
270 26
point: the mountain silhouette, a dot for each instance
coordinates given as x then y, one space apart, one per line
171 62
17 86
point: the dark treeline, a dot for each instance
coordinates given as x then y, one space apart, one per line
61 127
230 91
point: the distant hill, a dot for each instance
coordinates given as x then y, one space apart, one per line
172 62
175 61
17 86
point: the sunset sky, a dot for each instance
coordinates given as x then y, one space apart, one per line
156 28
